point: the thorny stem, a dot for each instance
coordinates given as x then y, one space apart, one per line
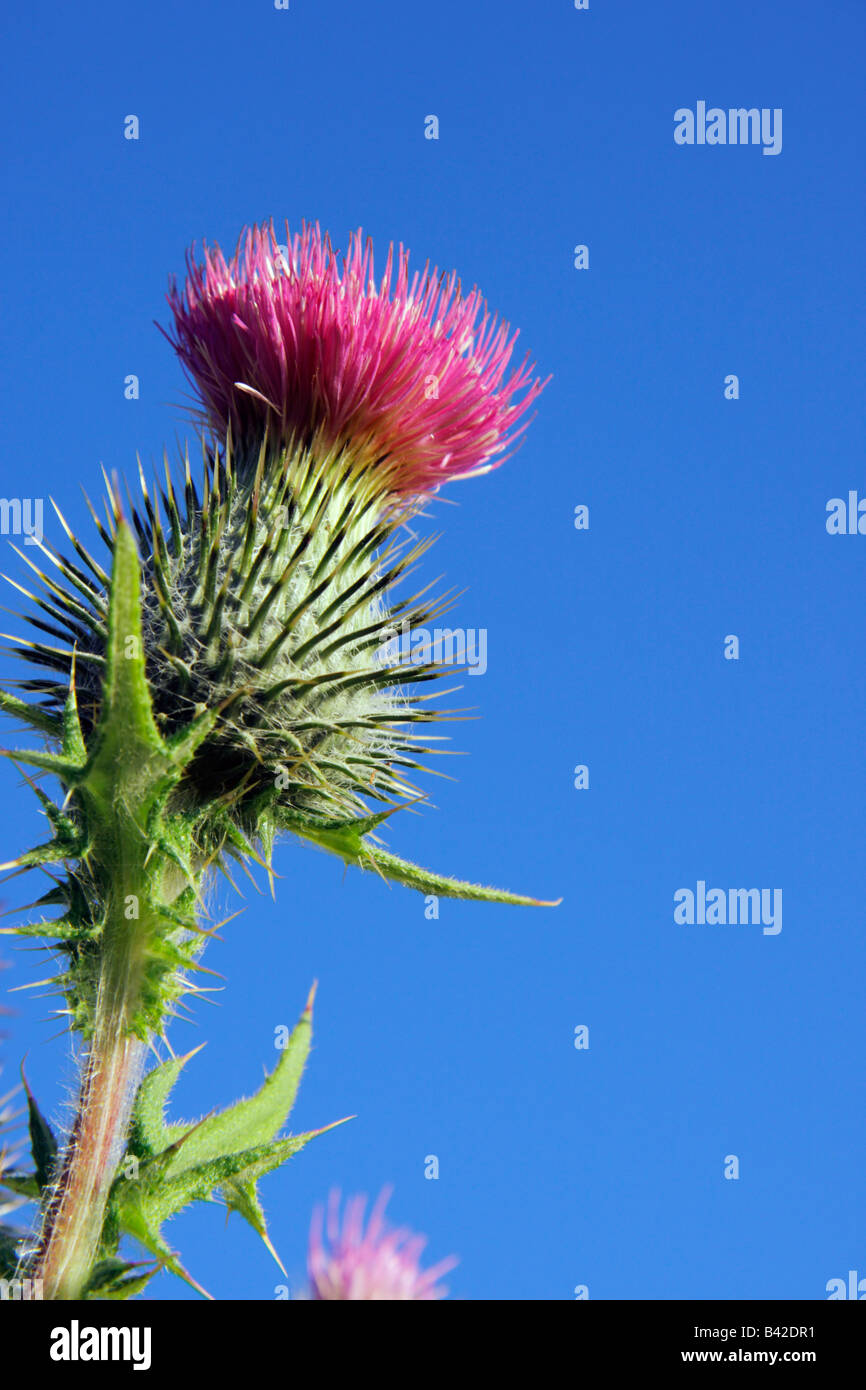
73 1222
120 788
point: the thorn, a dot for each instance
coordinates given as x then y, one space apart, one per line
308 1007
173 1263
267 1240
314 1133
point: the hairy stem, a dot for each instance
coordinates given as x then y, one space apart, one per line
120 789
73 1224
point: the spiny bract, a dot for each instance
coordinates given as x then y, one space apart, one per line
264 597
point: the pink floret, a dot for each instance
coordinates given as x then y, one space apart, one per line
407 373
374 1264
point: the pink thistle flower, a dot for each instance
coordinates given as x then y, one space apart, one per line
376 1265
411 376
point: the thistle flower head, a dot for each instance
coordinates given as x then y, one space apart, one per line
376 1264
257 604
409 374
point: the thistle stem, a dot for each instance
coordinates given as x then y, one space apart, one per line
120 782
72 1228
73 1225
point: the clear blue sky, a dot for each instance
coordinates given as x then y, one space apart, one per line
558 1167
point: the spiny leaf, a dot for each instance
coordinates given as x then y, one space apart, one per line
43 1145
54 929
23 1184
52 852
10 1240
411 876
115 1279
243 1125
182 1163
164 1198
241 1195
73 739
347 839
33 715
64 768
126 731
184 743
151 1133
134 1220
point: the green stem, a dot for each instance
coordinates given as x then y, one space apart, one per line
119 787
73 1224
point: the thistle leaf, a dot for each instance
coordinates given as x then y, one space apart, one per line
113 1279
134 1220
150 1133
33 715
257 1120
242 1196
412 876
10 1240
25 1185
168 1166
43 1145
126 734
348 840
74 746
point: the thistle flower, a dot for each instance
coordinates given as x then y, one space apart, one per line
219 676
376 1264
268 590
405 375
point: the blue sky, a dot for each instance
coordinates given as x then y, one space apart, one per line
559 1167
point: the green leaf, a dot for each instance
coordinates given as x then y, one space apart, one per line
65 768
150 1134
256 1120
55 928
242 1196
54 851
187 740
30 714
179 1163
114 1279
10 1240
159 1197
22 1184
348 840
411 876
126 734
43 1145
74 746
